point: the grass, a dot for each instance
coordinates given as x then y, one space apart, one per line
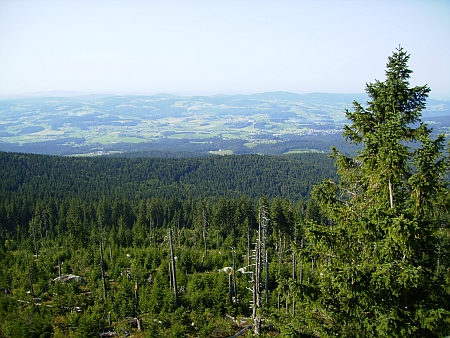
106 139
49 132
250 145
300 151
230 136
222 152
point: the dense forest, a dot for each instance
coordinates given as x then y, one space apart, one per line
190 147
107 221
236 245
54 177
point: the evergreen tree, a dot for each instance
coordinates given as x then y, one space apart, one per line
380 269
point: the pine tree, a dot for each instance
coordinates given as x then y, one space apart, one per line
380 267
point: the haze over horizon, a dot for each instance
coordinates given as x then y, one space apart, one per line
214 47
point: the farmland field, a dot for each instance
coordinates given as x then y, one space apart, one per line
240 123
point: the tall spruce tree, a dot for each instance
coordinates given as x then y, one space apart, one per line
381 264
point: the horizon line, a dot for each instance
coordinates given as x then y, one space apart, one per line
74 93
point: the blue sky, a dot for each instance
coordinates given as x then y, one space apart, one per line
208 47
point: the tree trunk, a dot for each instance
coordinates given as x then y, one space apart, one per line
301 265
204 233
280 261
234 277
267 277
260 245
30 276
248 245
174 275
33 225
391 194
102 269
139 324
230 287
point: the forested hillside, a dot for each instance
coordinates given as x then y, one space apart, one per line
228 245
60 209
47 177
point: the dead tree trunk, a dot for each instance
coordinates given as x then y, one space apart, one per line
280 262
301 264
234 275
59 267
230 286
204 233
30 276
294 267
261 260
248 244
33 226
267 276
391 194
102 269
173 271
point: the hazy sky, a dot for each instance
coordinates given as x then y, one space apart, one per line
207 47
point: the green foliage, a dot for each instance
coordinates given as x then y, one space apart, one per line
41 177
23 320
367 257
380 272
88 326
207 291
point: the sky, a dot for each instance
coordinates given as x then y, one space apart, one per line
194 47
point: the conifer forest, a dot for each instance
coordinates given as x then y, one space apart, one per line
301 245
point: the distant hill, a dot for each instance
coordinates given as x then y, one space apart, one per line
213 177
68 123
